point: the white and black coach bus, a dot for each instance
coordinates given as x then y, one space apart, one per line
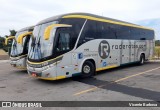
19 49
82 44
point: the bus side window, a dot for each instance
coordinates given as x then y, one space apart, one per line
135 35
64 42
123 32
109 31
99 29
89 32
150 35
75 29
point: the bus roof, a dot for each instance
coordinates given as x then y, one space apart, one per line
26 28
91 17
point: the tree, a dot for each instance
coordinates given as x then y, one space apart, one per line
157 42
2 40
12 32
8 47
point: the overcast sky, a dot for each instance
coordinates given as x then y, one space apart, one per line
16 14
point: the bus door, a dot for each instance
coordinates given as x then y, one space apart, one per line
63 46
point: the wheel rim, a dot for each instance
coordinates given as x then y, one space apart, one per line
142 60
86 69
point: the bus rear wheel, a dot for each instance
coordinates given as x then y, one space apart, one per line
88 69
142 59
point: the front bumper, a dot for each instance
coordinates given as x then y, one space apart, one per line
19 63
44 73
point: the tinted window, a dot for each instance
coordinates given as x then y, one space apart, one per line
99 30
150 34
103 30
88 33
135 33
63 43
123 32
109 31
143 35
76 27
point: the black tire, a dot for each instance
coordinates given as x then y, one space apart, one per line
88 69
142 59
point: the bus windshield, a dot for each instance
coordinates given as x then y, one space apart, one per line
39 47
17 48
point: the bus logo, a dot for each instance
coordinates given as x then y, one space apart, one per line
104 49
6 104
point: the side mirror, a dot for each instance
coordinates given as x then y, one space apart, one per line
21 36
48 29
9 38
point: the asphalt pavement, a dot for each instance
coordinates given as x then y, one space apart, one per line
127 83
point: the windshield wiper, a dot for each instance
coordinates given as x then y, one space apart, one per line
15 51
35 47
39 47
30 53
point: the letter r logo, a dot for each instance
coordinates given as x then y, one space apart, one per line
104 49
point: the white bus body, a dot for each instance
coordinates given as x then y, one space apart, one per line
18 55
90 54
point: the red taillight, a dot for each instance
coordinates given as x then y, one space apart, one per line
34 74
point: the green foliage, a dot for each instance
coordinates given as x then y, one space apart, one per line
2 41
157 42
12 32
2 44
157 51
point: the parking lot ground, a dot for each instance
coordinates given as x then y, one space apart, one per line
127 83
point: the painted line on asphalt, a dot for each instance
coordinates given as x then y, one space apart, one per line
116 81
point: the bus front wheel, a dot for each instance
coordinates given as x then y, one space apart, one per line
88 69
